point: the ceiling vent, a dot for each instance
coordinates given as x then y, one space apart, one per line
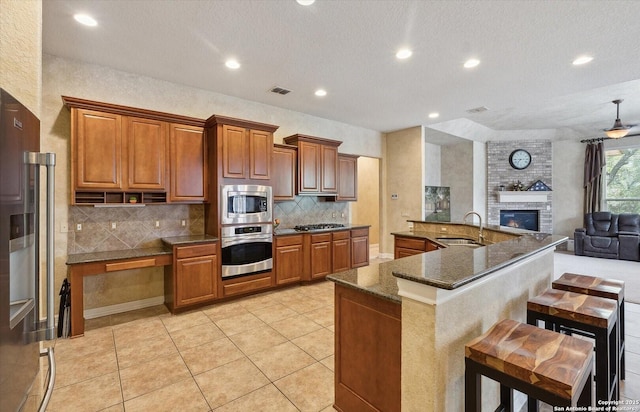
280 90
477 110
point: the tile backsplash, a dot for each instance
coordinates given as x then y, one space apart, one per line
310 209
135 227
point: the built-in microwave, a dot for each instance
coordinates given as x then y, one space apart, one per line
246 204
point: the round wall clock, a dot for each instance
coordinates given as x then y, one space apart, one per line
520 159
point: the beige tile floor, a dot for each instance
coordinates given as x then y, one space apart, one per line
268 352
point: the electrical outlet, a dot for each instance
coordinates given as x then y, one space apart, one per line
113 225
333 214
79 227
443 228
157 223
341 214
183 223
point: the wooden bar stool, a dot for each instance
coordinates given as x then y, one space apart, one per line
604 288
546 365
586 315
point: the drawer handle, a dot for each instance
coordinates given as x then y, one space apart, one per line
136 264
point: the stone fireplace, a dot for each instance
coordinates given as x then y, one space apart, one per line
500 173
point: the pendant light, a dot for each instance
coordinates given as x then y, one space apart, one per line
618 130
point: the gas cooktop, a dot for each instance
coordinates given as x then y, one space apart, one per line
317 226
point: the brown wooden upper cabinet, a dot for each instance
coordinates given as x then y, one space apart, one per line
188 163
244 148
317 164
120 153
283 178
347 177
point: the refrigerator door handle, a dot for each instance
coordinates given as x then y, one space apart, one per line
48 160
52 378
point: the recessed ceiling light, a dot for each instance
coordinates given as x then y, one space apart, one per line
582 60
404 54
305 2
471 63
434 115
85 19
321 93
232 64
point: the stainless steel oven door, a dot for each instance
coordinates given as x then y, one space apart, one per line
246 254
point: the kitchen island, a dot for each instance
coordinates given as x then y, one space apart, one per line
414 315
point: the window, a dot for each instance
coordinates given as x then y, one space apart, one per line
623 180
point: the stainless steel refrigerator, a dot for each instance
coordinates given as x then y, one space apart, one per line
26 296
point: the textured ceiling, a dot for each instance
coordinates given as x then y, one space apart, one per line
526 78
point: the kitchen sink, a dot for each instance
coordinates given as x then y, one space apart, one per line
459 241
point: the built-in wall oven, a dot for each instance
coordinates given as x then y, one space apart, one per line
246 249
242 204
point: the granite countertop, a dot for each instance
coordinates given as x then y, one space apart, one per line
185 240
447 268
90 257
291 231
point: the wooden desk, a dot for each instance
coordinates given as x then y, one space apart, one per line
88 264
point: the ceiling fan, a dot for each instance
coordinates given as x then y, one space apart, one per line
619 130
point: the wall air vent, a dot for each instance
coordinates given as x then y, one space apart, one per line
479 109
280 90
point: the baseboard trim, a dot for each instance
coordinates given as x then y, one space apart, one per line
385 255
123 307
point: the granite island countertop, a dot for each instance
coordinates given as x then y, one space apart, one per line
447 268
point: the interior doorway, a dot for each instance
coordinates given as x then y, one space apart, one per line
366 210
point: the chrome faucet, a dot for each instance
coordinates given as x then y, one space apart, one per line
464 220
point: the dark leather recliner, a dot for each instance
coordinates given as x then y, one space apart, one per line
609 235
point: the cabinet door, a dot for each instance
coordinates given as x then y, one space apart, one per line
234 149
146 142
341 256
288 263
347 178
359 251
284 173
329 180
188 163
98 150
320 259
260 149
196 280
309 164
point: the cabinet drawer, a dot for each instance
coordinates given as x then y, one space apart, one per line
359 232
197 250
288 240
130 264
248 286
322 237
341 235
408 243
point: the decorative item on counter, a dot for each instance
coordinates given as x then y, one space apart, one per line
539 186
518 186
501 188
276 223
133 199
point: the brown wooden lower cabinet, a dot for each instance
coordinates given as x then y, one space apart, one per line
288 259
409 246
320 255
192 278
340 251
367 352
359 247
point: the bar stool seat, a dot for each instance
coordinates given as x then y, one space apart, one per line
586 315
601 287
546 365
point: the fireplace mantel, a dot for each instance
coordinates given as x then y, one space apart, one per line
523 196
